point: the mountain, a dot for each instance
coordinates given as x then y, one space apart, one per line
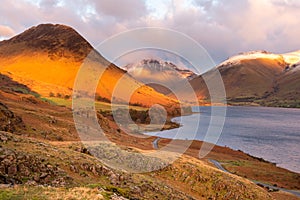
47 57
158 74
288 85
158 67
256 77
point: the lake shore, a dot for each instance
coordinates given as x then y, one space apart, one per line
242 164
243 131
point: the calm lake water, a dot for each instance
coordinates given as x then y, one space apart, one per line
270 133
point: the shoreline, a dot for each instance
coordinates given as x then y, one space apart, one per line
160 135
261 159
241 164
241 104
158 138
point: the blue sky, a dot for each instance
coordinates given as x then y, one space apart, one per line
223 27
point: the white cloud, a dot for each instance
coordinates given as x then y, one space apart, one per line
223 27
120 9
6 31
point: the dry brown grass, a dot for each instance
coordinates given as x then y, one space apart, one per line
283 196
245 165
76 193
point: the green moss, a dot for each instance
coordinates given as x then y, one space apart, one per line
9 195
94 185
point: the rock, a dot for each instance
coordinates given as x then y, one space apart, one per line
2 186
12 170
36 178
23 170
10 158
52 121
104 170
18 166
2 169
47 179
113 178
84 166
49 167
31 183
121 178
74 169
116 197
59 182
136 190
94 170
43 175
3 138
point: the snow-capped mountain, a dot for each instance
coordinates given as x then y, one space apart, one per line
162 76
257 77
156 68
291 59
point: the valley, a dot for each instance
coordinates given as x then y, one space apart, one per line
42 154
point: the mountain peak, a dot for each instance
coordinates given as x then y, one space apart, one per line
55 39
252 55
41 30
157 66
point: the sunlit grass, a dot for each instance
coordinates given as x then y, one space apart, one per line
20 192
104 106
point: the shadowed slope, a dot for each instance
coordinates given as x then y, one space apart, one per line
255 77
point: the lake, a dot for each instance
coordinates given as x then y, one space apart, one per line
269 133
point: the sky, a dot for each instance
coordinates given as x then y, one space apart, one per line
223 27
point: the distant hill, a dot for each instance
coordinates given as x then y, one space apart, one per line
256 77
158 67
159 74
46 58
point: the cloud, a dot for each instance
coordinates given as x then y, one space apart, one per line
224 28
6 31
120 9
48 3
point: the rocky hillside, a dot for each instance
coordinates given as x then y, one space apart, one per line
35 163
9 121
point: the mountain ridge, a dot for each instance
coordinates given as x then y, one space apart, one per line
47 58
